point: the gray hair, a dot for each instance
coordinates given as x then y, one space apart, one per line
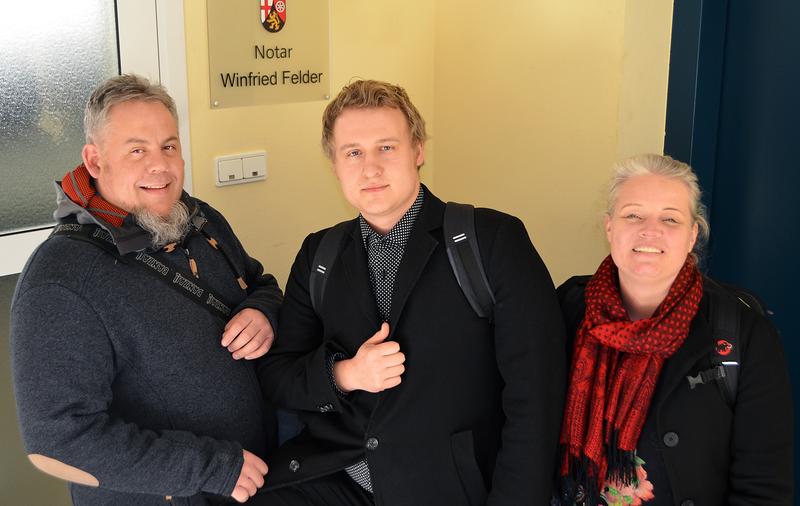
116 90
660 165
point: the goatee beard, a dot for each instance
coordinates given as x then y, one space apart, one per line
164 229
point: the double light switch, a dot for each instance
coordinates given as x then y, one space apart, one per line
242 168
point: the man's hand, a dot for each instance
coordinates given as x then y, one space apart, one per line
248 334
376 367
251 478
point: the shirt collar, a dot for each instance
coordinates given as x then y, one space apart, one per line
400 231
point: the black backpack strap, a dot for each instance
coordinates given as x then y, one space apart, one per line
573 306
725 310
725 307
289 422
571 299
465 257
324 258
184 283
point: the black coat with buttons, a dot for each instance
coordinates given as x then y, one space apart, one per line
477 415
699 450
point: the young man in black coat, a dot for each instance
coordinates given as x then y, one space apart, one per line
408 397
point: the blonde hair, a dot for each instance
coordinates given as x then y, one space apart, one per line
366 94
116 90
665 166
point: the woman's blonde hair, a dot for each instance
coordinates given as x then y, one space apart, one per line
665 166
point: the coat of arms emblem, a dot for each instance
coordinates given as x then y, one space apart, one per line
273 15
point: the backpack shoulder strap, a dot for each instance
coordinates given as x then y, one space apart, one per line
725 308
324 258
465 257
571 294
573 307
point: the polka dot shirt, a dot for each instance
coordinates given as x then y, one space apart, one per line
384 253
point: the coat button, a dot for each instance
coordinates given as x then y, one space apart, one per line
687 502
372 443
294 466
671 439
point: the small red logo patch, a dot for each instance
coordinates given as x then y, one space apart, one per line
724 348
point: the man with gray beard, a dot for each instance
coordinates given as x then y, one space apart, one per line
134 325
164 229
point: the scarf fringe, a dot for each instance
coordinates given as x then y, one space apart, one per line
580 484
621 463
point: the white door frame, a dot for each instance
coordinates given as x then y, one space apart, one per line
151 43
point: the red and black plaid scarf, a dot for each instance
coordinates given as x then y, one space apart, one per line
79 187
615 368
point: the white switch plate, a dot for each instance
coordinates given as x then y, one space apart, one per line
229 170
255 166
240 168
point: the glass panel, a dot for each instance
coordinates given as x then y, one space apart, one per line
53 54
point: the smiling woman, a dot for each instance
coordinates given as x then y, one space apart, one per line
642 324
652 225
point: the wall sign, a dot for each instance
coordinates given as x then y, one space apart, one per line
268 51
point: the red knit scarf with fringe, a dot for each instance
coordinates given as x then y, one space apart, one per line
615 367
79 187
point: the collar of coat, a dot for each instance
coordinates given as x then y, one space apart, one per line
421 244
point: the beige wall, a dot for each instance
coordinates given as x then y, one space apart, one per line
373 40
535 100
528 104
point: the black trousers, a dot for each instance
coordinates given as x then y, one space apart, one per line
337 489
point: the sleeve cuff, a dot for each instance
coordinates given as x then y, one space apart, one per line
332 359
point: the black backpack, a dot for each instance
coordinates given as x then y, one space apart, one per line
726 304
462 251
